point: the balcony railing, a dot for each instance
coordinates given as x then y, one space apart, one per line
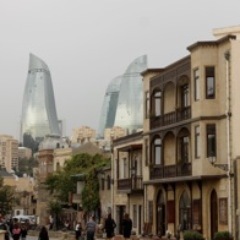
177 170
172 117
134 183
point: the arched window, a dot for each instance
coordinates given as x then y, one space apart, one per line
157 151
185 211
157 101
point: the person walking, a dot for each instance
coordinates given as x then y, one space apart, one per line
110 226
24 232
78 231
127 226
16 232
91 228
43 234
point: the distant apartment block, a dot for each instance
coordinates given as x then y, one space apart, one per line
24 152
8 152
83 135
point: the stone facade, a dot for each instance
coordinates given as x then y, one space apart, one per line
8 152
189 145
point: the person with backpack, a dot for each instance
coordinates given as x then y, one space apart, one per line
16 232
109 226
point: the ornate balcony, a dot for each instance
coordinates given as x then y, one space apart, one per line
171 117
130 184
176 170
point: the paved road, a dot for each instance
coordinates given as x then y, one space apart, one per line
36 238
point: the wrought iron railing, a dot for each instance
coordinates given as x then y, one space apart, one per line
171 117
133 183
176 170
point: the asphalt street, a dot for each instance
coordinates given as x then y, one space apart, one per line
36 238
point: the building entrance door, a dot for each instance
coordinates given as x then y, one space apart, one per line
161 220
214 213
119 218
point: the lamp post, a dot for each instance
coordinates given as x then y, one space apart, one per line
133 176
212 159
81 180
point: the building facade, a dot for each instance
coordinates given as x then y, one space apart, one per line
189 144
39 115
8 152
24 152
83 135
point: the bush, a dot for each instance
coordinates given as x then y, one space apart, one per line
192 235
225 235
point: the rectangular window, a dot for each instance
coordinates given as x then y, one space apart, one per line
146 152
134 216
197 142
196 84
211 140
150 211
185 96
210 82
147 105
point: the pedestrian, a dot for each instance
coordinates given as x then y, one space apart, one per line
16 232
110 226
43 234
127 226
91 228
24 232
4 226
78 231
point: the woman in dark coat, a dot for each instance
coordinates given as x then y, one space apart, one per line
109 226
43 235
127 226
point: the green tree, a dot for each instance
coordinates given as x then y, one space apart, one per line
6 198
55 210
62 182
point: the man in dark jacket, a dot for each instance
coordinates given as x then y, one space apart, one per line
127 226
109 226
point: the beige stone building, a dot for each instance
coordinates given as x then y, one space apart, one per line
127 190
61 155
83 135
8 152
190 144
24 193
24 152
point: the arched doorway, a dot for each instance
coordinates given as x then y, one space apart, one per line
161 219
185 211
214 213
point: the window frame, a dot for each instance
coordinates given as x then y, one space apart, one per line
196 78
157 112
210 76
155 146
197 141
211 144
147 104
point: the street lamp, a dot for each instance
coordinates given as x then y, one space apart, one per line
212 159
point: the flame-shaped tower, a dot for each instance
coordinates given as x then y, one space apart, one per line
39 116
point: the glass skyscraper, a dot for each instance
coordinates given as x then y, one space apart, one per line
39 116
123 101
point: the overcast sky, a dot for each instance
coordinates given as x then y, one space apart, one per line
86 43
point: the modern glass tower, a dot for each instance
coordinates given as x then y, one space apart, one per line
123 100
129 114
39 116
109 107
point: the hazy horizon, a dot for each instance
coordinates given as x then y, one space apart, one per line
87 43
